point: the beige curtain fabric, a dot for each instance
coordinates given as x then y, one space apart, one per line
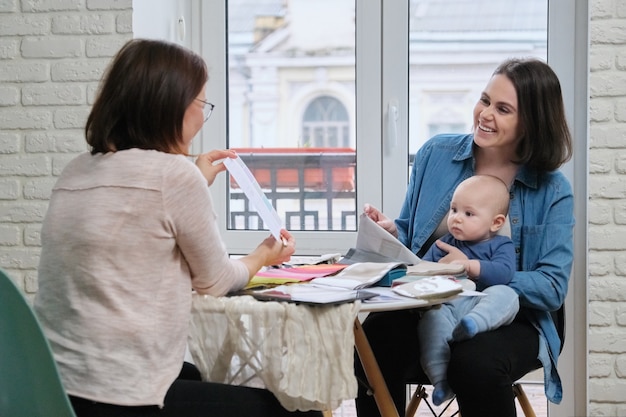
303 354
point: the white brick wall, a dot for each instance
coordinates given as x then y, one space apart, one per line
52 53
607 208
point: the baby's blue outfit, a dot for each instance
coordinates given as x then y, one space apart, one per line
465 316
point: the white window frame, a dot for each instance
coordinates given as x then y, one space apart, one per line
568 55
214 134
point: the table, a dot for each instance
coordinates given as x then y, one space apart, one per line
303 354
370 366
241 340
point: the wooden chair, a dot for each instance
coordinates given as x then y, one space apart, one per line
420 395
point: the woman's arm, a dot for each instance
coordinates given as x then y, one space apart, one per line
439 166
190 213
547 246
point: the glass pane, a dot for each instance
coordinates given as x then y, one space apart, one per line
291 106
454 46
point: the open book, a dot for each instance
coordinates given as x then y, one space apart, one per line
362 275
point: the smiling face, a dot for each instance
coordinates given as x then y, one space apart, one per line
496 117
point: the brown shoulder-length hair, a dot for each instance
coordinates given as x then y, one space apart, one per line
143 97
546 141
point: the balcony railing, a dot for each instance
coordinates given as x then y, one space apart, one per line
310 188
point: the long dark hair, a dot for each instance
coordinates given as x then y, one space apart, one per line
143 97
546 141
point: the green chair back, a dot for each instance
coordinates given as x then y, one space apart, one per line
30 385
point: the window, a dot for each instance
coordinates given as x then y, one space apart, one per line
325 124
289 72
402 70
374 77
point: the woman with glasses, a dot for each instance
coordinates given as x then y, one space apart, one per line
129 233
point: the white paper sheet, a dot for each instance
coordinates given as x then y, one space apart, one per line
253 191
373 238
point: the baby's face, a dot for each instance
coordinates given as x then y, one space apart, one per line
471 215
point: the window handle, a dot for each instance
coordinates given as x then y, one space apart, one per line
392 124
182 29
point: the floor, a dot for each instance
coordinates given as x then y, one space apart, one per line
534 391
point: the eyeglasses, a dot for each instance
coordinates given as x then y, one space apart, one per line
207 108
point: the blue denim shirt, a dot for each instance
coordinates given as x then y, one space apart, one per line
542 222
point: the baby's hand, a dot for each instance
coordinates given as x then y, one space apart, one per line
453 254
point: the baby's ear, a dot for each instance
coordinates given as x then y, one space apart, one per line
498 222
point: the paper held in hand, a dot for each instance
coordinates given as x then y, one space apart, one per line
253 191
373 239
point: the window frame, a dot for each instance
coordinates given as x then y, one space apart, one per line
214 134
382 89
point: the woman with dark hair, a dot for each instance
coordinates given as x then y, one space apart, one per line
521 136
129 233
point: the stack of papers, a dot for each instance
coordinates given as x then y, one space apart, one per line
310 294
277 276
327 258
363 274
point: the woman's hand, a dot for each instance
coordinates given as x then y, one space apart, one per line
382 220
279 251
207 165
270 252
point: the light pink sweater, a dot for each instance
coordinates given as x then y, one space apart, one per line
126 237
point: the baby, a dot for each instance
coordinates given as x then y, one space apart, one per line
478 210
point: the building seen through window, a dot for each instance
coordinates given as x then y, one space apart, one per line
292 97
326 124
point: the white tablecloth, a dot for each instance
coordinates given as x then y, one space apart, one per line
302 354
